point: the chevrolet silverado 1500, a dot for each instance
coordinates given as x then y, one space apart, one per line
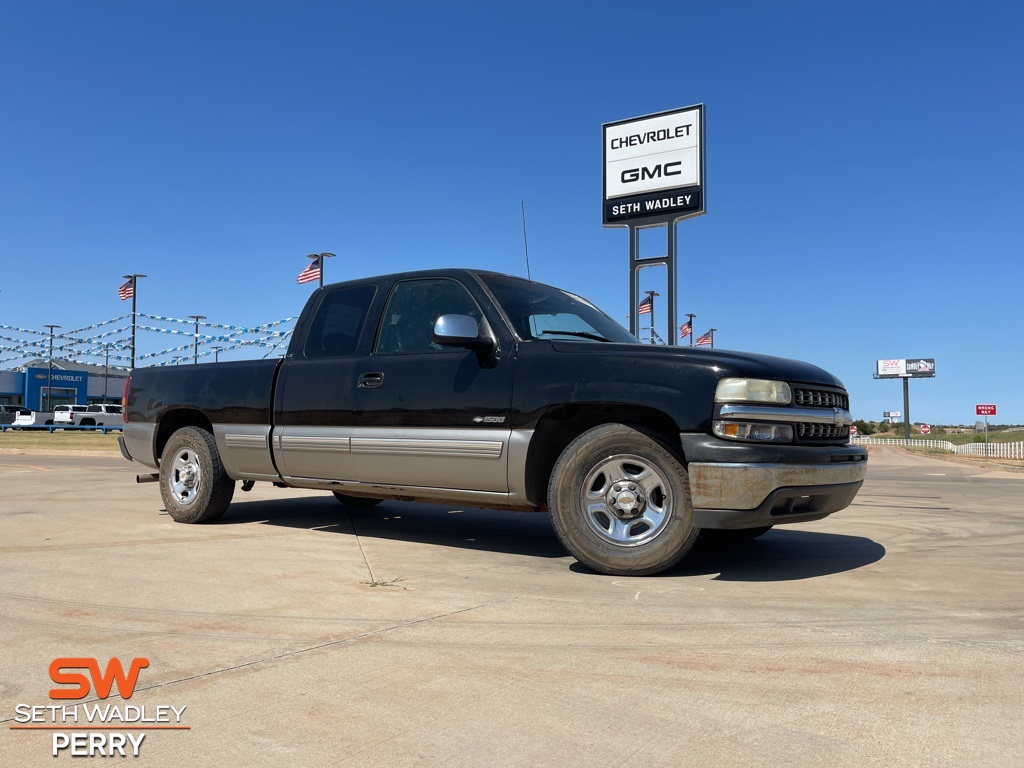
476 388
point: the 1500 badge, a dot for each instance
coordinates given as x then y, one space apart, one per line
488 419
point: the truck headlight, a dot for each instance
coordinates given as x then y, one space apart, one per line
749 430
753 391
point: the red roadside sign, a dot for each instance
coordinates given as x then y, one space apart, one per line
985 409
926 429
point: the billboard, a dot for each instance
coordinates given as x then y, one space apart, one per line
913 367
654 166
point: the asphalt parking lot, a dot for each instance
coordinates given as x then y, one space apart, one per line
295 632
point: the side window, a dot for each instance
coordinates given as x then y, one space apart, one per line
339 320
414 306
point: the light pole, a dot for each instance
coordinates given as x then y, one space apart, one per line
195 348
135 285
216 353
49 370
321 256
106 367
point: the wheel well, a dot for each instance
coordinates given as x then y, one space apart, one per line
172 421
562 425
87 423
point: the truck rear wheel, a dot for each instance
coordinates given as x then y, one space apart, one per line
193 484
619 501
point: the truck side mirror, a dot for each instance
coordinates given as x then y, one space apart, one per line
460 331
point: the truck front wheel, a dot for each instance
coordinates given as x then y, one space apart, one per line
193 484
619 501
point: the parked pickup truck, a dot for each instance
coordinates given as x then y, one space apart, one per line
8 413
27 418
97 415
102 415
68 415
475 388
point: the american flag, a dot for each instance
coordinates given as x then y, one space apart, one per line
127 290
706 339
310 273
646 305
685 329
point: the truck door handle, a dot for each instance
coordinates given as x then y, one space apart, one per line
371 380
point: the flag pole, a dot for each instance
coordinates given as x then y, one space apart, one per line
651 295
134 279
321 256
691 316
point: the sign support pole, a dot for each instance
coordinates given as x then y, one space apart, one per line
670 251
636 264
634 253
654 176
906 408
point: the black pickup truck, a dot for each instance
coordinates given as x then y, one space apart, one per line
475 388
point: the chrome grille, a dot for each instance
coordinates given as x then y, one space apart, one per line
821 398
807 431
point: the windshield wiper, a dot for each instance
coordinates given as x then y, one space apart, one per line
581 334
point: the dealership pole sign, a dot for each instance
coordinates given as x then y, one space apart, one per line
654 166
653 176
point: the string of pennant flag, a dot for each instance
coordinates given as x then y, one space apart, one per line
113 346
79 345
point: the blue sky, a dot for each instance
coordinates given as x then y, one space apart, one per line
863 165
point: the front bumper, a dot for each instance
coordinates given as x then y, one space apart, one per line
756 485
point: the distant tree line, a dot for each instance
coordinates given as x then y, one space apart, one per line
881 427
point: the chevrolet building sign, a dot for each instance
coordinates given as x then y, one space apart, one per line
654 166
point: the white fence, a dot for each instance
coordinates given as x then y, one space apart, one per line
992 450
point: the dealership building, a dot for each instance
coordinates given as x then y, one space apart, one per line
68 384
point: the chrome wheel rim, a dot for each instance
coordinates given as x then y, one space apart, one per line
626 500
185 476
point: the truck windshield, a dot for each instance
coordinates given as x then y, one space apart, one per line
538 311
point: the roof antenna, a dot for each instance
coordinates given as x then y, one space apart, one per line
526 248
526 245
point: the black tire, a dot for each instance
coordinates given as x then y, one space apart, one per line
734 535
193 484
356 501
598 517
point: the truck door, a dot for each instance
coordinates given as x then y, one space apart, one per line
428 415
314 402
